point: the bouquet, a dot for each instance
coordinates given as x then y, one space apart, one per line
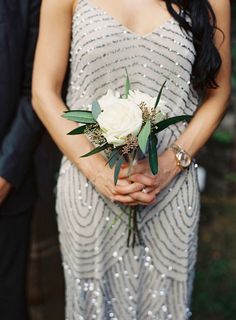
122 126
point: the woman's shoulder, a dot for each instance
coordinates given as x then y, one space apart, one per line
62 4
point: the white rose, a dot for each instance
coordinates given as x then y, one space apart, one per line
118 119
138 97
106 100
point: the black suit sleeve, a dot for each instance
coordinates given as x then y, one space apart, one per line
17 148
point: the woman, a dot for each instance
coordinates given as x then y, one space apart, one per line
185 43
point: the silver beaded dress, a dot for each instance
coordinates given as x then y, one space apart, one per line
105 280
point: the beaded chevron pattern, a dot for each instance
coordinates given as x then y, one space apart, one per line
105 280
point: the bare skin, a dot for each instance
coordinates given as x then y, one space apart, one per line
202 126
5 188
49 70
139 16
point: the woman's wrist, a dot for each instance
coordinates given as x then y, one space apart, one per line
92 166
182 157
171 164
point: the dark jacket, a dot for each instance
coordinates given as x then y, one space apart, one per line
20 128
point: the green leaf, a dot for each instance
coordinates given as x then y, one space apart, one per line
167 122
127 84
96 150
143 136
159 95
81 116
117 169
152 150
113 158
79 130
96 109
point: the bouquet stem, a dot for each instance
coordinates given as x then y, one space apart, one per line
133 228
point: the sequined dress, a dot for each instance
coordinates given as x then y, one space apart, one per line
105 280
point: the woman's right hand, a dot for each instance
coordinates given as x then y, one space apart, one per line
103 181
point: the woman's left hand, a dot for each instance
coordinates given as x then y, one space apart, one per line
154 184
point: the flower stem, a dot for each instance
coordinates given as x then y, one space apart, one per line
133 227
130 226
115 220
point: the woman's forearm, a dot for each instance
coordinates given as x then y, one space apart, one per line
50 65
215 103
49 108
204 122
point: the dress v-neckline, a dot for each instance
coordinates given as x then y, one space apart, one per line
126 29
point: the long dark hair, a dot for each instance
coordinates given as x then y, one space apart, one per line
203 27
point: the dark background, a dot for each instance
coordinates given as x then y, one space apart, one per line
215 285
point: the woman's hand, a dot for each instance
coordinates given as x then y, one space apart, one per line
153 184
5 188
103 181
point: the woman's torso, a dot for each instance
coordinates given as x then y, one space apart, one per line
102 49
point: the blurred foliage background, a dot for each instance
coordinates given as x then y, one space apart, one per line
215 283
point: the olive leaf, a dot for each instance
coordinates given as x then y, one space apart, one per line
167 122
117 169
79 130
96 150
152 150
159 95
113 158
96 109
127 84
143 136
80 116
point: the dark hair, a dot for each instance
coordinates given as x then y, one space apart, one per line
203 27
